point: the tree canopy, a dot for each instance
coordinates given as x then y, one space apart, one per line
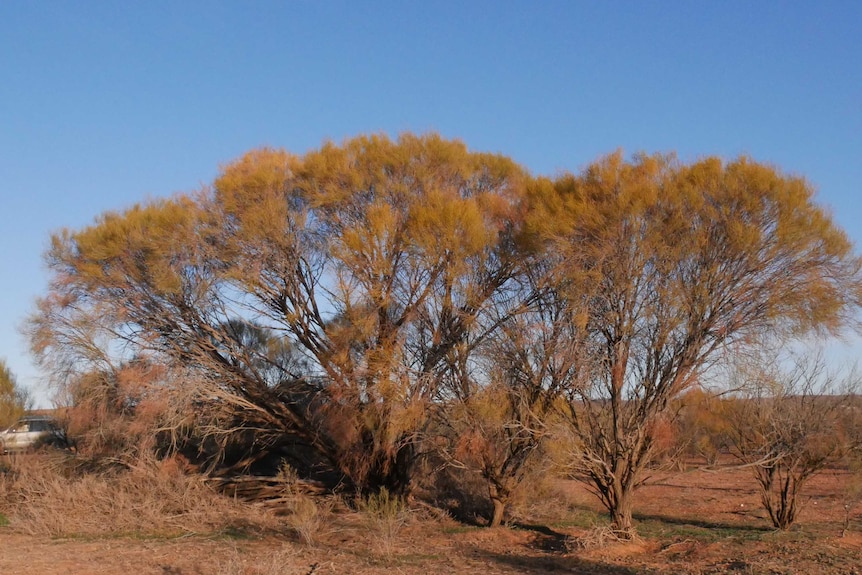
13 399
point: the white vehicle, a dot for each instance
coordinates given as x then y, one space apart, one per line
30 432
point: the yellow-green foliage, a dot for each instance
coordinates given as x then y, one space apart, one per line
704 423
716 232
13 399
137 247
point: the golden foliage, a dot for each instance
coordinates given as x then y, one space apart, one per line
13 399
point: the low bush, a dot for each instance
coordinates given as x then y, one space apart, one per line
308 517
49 494
461 493
384 515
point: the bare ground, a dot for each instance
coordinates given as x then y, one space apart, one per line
694 522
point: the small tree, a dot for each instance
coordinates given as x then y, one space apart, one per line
852 493
788 425
503 384
501 414
676 263
14 400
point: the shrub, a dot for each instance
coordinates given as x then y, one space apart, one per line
51 495
385 514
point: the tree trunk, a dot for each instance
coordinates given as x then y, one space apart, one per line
499 509
499 498
621 517
391 470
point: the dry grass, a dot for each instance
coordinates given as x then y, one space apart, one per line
601 536
690 522
539 498
51 494
384 515
276 562
309 517
43 495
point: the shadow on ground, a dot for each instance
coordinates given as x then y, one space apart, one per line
546 538
553 564
741 490
702 523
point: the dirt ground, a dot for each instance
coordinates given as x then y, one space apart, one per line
691 522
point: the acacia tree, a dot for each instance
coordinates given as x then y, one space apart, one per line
787 425
679 262
371 258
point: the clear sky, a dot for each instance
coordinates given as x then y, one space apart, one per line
104 104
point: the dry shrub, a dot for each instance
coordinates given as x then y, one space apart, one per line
46 496
273 563
384 515
7 482
461 493
309 517
540 498
852 493
116 413
306 514
601 536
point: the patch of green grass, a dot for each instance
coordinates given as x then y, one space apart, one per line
131 535
455 529
799 533
4 521
416 558
658 528
237 532
583 519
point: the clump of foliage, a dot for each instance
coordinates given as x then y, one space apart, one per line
703 425
14 400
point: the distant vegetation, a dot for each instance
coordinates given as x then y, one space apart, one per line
14 399
394 316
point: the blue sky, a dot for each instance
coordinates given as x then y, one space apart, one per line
104 104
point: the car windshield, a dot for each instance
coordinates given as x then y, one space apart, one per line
40 425
31 425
